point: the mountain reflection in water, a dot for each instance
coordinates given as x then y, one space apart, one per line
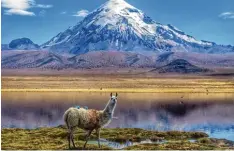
211 113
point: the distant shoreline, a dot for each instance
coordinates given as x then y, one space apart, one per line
227 72
123 83
159 90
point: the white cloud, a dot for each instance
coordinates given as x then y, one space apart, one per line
81 13
63 13
43 6
227 15
21 7
42 13
17 4
19 12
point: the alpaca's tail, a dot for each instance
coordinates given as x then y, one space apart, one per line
65 118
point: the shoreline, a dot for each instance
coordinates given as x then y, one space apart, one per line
129 90
94 83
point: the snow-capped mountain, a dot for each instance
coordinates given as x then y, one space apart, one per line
117 25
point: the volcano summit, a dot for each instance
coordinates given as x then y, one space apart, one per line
117 25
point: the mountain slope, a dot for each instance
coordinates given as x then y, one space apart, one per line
180 66
32 59
23 44
198 59
98 59
117 25
102 59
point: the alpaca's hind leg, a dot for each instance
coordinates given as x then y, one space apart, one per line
69 139
72 137
98 137
87 137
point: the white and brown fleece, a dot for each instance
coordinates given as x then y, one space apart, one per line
86 119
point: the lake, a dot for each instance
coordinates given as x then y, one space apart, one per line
212 113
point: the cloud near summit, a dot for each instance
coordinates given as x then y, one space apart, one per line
21 7
81 13
227 15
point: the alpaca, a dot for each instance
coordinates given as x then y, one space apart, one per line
89 120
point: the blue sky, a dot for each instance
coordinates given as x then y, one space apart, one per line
40 20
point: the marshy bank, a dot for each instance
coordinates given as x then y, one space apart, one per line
118 138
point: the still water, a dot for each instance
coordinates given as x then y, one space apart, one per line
210 113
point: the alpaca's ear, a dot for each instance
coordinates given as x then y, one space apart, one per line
111 94
116 94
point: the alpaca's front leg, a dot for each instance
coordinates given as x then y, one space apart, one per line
87 137
98 136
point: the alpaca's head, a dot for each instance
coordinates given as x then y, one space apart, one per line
113 99
111 104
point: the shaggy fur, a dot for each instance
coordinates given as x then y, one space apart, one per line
89 120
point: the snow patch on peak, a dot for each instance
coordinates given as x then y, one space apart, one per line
120 13
119 4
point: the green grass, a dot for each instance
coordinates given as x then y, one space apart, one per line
55 139
137 135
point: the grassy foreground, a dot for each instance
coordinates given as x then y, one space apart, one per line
55 139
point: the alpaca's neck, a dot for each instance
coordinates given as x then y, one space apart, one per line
109 109
107 114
